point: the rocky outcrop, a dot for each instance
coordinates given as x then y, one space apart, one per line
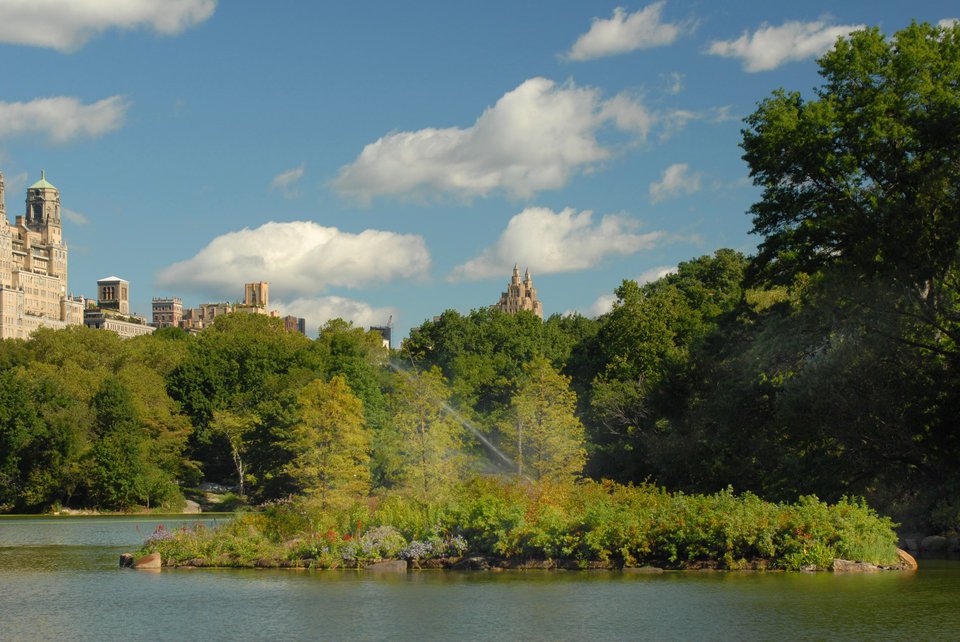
907 562
148 561
126 560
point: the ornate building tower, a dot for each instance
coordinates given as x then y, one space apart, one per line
520 295
33 266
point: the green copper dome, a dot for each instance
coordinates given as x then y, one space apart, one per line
43 183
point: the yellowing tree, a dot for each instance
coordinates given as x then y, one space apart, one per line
333 443
427 438
546 437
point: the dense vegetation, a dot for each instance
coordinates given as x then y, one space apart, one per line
828 364
573 525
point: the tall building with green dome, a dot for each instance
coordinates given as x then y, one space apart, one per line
33 266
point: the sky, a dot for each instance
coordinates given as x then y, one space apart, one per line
376 160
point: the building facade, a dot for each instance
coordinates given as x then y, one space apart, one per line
167 312
112 310
33 266
520 295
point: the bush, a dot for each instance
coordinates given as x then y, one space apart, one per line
586 521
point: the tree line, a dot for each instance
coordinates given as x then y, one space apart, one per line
826 363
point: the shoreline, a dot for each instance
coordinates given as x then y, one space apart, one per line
906 563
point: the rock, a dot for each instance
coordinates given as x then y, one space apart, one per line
847 566
953 544
148 561
387 566
644 570
907 562
191 507
126 560
472 564
933 544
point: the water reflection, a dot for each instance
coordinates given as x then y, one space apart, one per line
60 580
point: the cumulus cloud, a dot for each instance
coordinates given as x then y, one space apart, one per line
675 181
74 216
548 242
299 258
604 302
534 138
67 25
655 274
62 118
769 47
318 310
625 32
286 181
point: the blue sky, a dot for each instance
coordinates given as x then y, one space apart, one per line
371 159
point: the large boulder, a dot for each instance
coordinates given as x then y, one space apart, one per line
148 561
907 562
126 560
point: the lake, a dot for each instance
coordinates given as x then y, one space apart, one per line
59 580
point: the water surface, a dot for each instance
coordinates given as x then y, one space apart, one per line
59 580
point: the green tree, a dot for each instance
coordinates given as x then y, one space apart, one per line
865 174
427 439
236 428
545 434
332 443
122 472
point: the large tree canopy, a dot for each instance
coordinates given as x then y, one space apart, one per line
867 173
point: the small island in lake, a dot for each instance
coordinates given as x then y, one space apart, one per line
489 523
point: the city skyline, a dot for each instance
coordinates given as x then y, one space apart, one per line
383 161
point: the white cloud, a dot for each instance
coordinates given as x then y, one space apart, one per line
674 82
318 310
769 47
604 302
548 242
674 181
624 33
655 274
62 118
67 25
602 305
535 137
15 184
299 258
74 216
285 181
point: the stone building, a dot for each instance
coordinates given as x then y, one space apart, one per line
520 295
256 298
293 323
112 310
33 266
167 312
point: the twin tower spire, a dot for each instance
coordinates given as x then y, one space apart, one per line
520 295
